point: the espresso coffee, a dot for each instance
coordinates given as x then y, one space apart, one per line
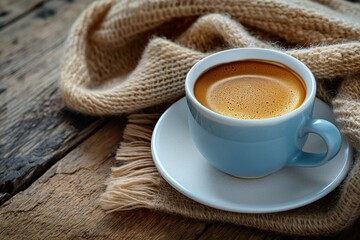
250 89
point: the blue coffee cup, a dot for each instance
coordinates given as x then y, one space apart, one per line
256 148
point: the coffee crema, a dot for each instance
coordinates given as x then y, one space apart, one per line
250 89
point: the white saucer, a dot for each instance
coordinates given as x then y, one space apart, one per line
181 165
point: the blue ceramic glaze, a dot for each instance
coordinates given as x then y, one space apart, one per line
256 148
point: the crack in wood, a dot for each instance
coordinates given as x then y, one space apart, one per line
28 208
37 130
30 167
22 15
44 13
2 89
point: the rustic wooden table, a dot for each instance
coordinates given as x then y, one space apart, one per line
54 162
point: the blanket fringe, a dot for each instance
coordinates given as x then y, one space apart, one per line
133 184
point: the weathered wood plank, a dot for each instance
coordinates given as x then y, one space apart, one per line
11 10
63 203
230 231
37 34
36 129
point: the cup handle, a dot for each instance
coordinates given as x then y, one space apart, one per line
331 136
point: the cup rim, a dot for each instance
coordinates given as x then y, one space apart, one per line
309 82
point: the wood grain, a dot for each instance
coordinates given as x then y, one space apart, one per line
63 203
11 10
231 231
36 128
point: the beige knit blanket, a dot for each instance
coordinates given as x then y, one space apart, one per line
124 56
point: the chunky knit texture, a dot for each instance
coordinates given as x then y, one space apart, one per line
124 56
